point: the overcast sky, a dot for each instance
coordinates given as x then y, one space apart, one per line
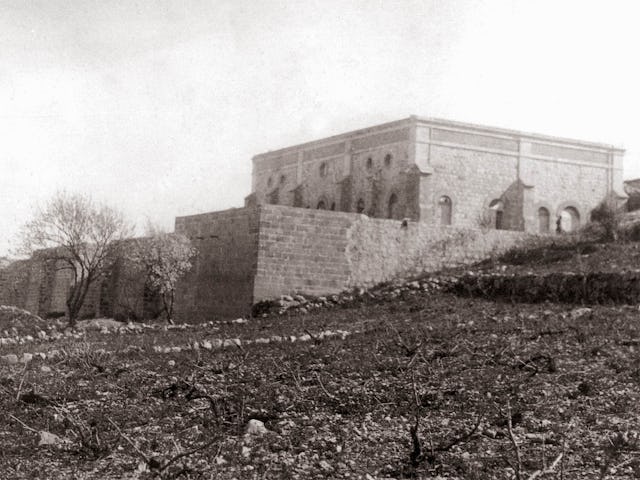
157 107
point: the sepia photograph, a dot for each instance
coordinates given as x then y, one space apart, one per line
319 239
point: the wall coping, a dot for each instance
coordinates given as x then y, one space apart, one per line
414 120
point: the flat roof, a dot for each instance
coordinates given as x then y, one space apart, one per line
439 122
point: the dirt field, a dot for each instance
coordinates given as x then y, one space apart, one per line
421 386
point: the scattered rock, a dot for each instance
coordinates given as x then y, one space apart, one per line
580 312
256 427
10 358
171 363
48 438
26 357
325 466
230 342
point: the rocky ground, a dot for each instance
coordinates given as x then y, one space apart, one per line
405 381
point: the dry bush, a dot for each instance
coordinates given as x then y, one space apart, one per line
607 216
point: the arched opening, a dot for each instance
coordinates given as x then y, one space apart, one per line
360 206
333 206
543 220
387 160
323 169
569 220
321 205
497 207
369 163
392 207
444 204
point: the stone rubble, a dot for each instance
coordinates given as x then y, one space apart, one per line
288 304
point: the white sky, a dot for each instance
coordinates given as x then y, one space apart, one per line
157 107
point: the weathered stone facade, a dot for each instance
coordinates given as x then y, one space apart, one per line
260 252
444 172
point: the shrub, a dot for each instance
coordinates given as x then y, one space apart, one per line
606 215
631 233
546 249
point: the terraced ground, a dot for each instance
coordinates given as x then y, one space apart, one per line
407 384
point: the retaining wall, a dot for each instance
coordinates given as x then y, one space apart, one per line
575 288
318 252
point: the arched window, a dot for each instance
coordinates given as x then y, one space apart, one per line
444 203
323 169
387 160
321 205
369 163
269 182
392 206
569 219
497 206
360 206
543 220
333 206
283 179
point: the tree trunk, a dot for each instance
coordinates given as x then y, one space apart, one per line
167 305
76 299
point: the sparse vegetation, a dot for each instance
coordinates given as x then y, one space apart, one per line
163 259
78 236
607 216
416 385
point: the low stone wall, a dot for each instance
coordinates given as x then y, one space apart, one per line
588 288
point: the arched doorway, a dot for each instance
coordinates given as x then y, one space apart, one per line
544 219
392 206
569 219
497 207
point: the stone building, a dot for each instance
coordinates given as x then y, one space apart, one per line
446 173
407 197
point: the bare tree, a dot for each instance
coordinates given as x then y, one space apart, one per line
80 234
164 259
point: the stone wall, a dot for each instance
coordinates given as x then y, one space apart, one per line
316 252
261 252
221 281
580 288
14 283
